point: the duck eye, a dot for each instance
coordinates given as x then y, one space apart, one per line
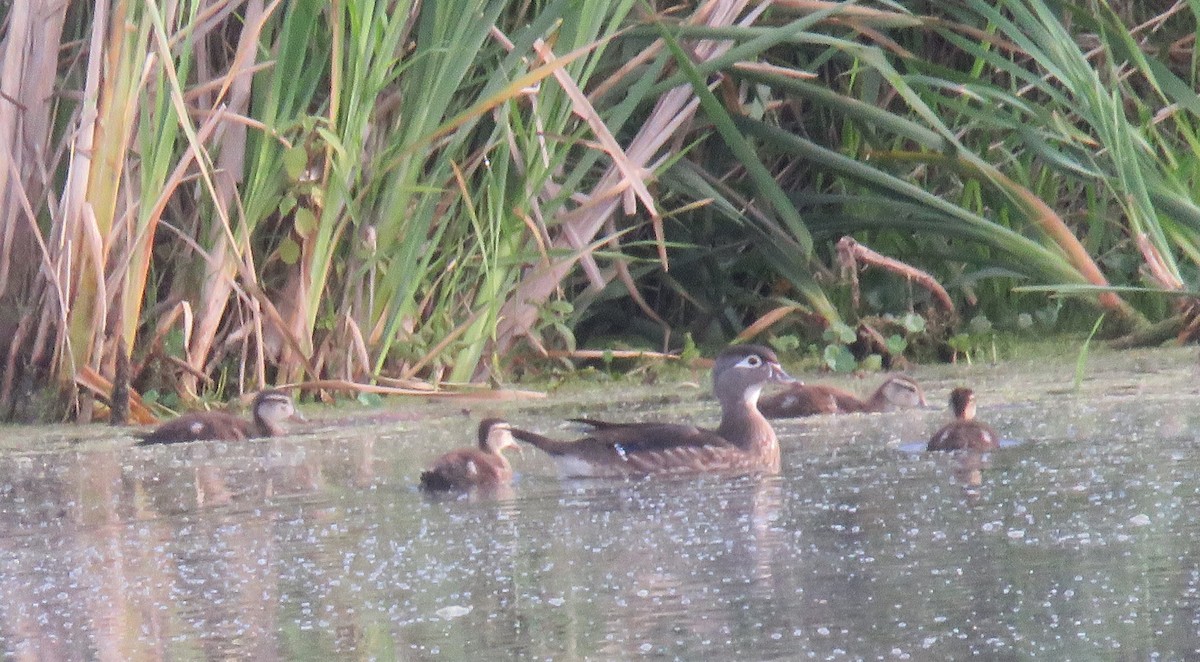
752 361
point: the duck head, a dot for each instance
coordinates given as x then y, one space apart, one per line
741 371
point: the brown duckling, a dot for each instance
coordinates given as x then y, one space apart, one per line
964 431
465 468
744 441
271 407
896 392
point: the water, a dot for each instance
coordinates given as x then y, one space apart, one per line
1077 540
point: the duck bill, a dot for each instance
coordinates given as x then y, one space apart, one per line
297 416
511 442
779 375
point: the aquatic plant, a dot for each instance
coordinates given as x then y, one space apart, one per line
390 198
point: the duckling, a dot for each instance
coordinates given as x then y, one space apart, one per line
964 431
896 392
743 442
465 468
270 408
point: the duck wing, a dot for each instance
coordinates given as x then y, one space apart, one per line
597 424
464 468
958 435
625 449
198 427
799 400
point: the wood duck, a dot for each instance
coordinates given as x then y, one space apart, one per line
896 392
964 431
465 468
744 441
271 407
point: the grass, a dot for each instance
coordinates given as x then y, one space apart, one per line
1081 360
350 193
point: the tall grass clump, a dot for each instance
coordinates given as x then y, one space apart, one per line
280 191
400 196
1042 145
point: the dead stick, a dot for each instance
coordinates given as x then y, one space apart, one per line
850 252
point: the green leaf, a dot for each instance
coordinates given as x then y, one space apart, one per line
896 344
913 323
873 362
980 324
567 334
305 221
558 308
287 204
173 343
295 160
786 343
370 399
960 342
689 352
839 332
289 251
839 358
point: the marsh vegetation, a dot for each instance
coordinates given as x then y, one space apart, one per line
399 196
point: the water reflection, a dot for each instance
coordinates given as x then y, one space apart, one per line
1079 542
660 552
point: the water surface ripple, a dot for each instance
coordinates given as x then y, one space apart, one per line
1077 540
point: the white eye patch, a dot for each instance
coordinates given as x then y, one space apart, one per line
752 361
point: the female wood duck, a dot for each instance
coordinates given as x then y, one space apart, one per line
744 442
270 409
896 392
466 468
964 431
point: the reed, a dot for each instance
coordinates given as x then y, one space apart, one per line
270 191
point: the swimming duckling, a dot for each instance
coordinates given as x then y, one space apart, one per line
896 392
271 407
744 441
964 431
484 466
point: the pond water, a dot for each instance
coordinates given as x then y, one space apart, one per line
1080 539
